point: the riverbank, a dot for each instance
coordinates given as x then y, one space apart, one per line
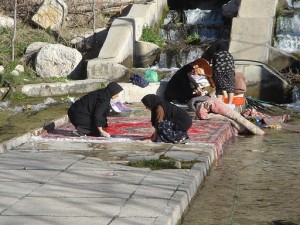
55 177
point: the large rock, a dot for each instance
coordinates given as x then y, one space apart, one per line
51 14
56 60
31 52
231 8
106 71
6 21
145 53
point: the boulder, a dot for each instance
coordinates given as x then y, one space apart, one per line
56 60
2 69
106 71
31 51
6 21
231 8
51 14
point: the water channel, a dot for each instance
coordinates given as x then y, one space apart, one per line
256 181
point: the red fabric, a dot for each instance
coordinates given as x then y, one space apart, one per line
214 133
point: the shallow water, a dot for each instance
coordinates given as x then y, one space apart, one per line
256 181
26 119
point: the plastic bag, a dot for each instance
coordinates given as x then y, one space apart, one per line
139 80
151 76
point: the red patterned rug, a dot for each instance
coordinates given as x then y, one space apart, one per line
131 129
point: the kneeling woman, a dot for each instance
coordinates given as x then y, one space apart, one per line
89 113
171 123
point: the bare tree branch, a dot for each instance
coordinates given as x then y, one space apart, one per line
15 32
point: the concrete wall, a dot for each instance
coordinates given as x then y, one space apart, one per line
120 42
252 30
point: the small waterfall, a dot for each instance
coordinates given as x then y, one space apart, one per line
296 99
296 94
203 17
288 32
179 25
294 4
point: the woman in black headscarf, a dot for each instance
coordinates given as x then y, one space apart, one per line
182 87
171 123
89 113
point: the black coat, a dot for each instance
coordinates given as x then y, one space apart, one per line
180 118
91 110
179 86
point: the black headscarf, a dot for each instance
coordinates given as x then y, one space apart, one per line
152 101
114 88
214 48
180 118
179 86
185 69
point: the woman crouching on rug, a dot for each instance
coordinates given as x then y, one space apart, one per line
89 113
171 123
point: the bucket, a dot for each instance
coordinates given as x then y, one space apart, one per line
236 100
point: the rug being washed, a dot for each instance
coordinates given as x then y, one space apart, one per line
131 129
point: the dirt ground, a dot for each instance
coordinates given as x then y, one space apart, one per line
257 182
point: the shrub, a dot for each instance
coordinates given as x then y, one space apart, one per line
152 35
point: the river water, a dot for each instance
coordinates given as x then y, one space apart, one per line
255 182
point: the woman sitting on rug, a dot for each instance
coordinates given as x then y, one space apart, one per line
171 123
182 87
89 113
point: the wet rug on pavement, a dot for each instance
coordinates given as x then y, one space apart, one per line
129 129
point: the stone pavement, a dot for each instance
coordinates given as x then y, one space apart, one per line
67 181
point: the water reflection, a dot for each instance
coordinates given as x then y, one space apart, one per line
257 181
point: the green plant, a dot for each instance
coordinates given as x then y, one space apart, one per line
280 8
59 79
20 96
153 164
152 35
193 39
162 163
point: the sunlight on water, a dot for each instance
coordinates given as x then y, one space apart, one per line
288 33
288 25
288 43
205 17
294 4
208 24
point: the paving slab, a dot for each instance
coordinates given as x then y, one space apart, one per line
263 9
57 178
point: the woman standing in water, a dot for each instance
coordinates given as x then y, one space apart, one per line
170 122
